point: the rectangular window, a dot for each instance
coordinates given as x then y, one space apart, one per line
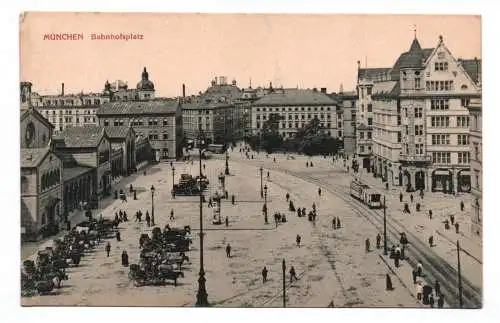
369 135
417 83
418 112
106 123
369 107
399 120
370 121
419 130
463 140
476 151
464 102
361 148
361 135
399 136
165 136
419 149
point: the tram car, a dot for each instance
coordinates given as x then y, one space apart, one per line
365 194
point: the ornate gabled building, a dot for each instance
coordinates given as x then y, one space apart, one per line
476 165
419 118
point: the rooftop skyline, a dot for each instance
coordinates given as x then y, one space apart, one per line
288 50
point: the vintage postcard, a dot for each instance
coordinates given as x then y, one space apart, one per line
251 160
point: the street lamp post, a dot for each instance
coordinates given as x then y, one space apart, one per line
201 296
227 163
261 191
265 203
460 300
385 229
283 267
173 180
152 205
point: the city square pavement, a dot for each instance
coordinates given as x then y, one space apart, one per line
418 223
331 265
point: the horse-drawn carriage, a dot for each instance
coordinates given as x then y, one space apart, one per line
44 275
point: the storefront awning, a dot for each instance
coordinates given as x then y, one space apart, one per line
442 172
464 172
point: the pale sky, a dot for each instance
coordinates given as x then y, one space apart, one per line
288 50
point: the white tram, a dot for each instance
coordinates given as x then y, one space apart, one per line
365 194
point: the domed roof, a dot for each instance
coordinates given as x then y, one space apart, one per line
117 85
145 83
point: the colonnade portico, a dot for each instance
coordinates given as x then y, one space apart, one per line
78 188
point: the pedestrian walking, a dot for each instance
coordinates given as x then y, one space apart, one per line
437 288
397 256
388 282
297 239
264 275
452 219
430 214
227 221
124 259
414 275
367 245
293 275
287 196
311 164
233 199
431 241
172 215
441 301
125 219
462 206
148 219
307 164
422 194
334 223
431 301
228 250
274 159
379 238
457 227
118 236
400 197
419 269
419 290
319 191
411 198
108 249
338 223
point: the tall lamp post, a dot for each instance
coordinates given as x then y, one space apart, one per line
385 229
265 204
261 190
152 205
283 267
173 180
460 300
201 296
227 163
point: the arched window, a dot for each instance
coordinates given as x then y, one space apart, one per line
464 87
24 184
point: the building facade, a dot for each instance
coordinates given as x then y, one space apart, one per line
219 112
123 139
420 120
41 192
83 148
159 120
296 107
476 165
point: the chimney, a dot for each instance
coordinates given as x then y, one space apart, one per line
323 90
62 89
183 90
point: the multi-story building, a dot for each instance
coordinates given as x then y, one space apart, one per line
346 119
41 192
297 107
80 109
219 112
160 120
476 165
419 119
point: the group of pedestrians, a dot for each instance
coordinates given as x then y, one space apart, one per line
425 292
291 272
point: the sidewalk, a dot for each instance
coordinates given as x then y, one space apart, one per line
404 275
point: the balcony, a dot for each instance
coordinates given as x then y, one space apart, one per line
427 158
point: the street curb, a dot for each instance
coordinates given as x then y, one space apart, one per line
399 278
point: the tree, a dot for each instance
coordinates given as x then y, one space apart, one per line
270 138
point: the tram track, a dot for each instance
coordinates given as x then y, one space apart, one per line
435 267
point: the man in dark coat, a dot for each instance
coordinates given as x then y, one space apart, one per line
319 191
414 275
338 223
118 236
148 219
264 275
108 249
411 198
293 275
124 259
388 282
430 214
227 221
287 196
462 206
401 197
297 239
457 227
440 301
379 238
437 287
228 250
